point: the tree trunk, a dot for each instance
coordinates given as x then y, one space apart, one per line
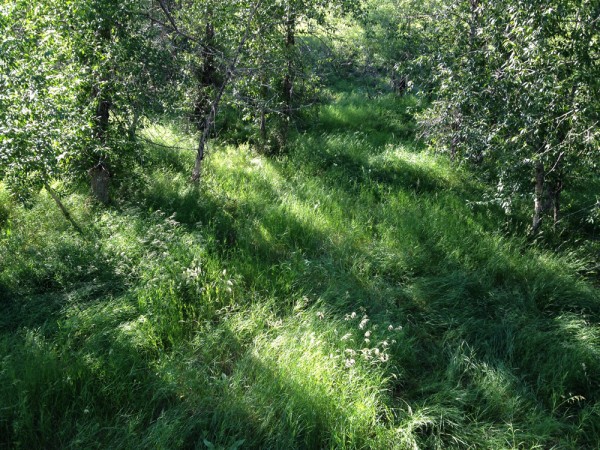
207 78
264 92
100 182
102 115
556 191
135 122
453 145
213 107
454 133
62 208
288 80
263 128
203 114
100 176
473 22
399 81
538 201
197 172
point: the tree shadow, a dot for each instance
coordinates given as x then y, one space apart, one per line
527 315
472 304
71 270
470 301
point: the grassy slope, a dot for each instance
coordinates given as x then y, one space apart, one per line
345 296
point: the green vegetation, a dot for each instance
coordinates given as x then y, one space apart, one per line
299 224
349 294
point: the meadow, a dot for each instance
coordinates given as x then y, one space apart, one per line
350 294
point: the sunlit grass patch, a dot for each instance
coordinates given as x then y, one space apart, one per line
305 380
384 117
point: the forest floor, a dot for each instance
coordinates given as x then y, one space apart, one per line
351 294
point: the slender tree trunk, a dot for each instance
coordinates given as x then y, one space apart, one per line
102 115
134 125
453 145
263 117
100 174
538 201
455 139
207 78
65 212
213 106
196 173
473 22
556 191
288 80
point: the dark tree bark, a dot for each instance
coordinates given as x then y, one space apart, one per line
473 22
288 80
213 106
102 115
207 77
538 201
99 174
100 182
399 84
207 82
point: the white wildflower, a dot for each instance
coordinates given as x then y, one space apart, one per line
363 323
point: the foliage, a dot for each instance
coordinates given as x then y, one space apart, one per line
517 90
41 120
356 291
59 61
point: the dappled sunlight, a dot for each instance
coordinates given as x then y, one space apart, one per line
345 295
297 225
315 391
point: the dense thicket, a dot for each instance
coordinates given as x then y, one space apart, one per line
89 71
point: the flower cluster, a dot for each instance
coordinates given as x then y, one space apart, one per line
373 344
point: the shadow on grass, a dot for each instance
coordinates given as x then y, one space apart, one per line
49 273
107 385
502 337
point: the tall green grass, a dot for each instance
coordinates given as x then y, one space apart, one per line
346 295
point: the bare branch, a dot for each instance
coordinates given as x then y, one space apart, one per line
165 9
229 73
